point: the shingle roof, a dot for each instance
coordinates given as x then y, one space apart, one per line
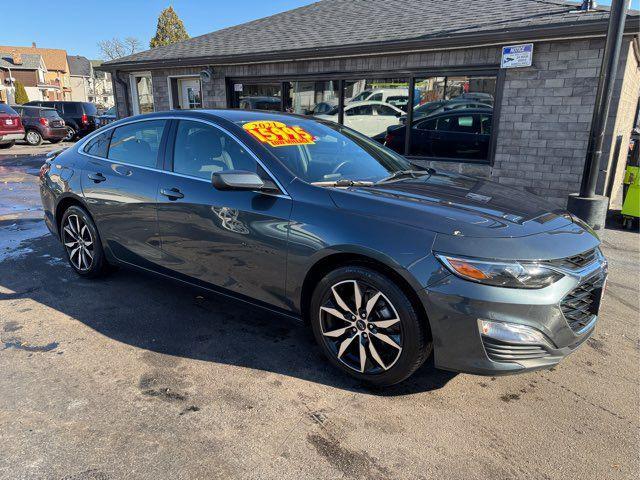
329 24
54 59
79 66
27 61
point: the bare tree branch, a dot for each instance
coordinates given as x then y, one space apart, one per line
117 48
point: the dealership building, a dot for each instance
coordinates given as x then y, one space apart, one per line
503 89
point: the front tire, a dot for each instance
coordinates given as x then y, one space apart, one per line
82 243
367 327
33 138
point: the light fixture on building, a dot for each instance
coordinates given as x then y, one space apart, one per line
206 74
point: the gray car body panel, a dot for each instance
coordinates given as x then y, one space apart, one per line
400 224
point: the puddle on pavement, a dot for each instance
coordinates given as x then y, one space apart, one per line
15 238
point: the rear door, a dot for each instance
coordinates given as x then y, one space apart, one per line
232 239
120 183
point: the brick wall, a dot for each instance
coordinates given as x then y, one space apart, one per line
621 121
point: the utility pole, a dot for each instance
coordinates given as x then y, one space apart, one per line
587 205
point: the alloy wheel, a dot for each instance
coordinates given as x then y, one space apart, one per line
78 242
361 327
33 138
70 134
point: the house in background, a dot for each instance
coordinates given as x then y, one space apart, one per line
28 69
57 78
102 88
80 73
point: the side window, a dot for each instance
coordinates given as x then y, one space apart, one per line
386 111
137 143
485 124
99 145
444 124
376 97
201 150
465 124
360 110
427 125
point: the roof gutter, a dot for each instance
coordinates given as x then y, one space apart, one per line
556 32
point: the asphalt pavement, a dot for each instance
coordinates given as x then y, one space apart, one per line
134 376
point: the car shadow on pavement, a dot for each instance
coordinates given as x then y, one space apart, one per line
167 317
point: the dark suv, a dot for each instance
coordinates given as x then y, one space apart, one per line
41 123
79 117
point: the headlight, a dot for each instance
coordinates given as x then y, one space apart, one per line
501 274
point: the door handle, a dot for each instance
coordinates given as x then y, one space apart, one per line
172 193
97 177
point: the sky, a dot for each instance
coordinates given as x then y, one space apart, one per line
79 25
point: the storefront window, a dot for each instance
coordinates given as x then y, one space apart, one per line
452 116
452 119
371 106
258 96
313 98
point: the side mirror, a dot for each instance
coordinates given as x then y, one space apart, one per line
241 180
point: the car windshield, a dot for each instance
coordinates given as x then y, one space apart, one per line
362 96
325 152
111 111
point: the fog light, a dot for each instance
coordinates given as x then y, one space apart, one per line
512 332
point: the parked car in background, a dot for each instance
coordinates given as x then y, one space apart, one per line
398 97
260 103
385 261
322 108
79 117
369 118
41 123
11 128
439 106
452 134
107 117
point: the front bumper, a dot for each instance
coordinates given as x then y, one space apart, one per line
454 307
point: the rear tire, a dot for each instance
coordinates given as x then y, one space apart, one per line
71 134
33 138
82 243
8 144
382 325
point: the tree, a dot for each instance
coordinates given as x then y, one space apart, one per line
117 48
170 29
21 93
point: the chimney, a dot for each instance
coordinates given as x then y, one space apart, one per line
33 44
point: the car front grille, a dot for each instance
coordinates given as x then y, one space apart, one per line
576 261
581 305
500 351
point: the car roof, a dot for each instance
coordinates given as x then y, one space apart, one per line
463 111
368 102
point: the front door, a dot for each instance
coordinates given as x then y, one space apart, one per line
232 239
120 185
189 93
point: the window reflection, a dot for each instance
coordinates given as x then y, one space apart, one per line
260 96
451 119
313 98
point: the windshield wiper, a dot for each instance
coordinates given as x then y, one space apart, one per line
406 173
345 182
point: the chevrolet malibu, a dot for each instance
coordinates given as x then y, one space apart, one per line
387 262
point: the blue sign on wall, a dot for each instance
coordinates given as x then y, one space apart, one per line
516 56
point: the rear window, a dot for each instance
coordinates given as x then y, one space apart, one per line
90 109
72 108
4 108
49 113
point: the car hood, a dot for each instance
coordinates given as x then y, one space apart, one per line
455 205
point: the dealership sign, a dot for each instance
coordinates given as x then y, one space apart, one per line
517 56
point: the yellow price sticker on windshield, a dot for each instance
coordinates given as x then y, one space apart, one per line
278 134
